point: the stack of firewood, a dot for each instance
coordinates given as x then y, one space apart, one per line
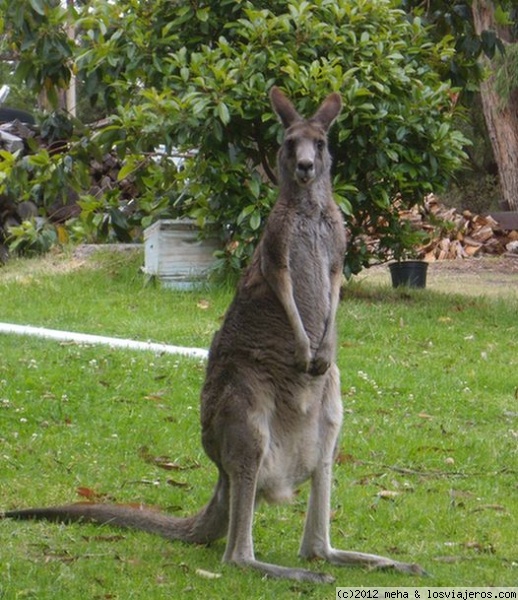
458 234
105 176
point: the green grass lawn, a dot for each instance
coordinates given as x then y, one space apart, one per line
427 469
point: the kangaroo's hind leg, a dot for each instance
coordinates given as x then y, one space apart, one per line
243 445
316 539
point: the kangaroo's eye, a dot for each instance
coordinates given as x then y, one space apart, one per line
290 145
321 145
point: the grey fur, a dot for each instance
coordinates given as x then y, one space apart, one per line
271 410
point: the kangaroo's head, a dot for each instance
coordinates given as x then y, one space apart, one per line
303 156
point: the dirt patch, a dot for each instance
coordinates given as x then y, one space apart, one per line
58 262
84 251
506 264
484 276
26 271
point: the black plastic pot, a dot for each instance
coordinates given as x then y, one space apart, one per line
409 273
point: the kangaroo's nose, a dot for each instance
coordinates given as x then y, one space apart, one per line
305 170
305 165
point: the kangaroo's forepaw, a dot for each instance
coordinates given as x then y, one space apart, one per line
303 360
319 366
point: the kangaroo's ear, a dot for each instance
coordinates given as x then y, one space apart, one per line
283 107
328 111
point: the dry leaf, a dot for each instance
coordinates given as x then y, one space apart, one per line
496 507
207 574
388 494
164 462
480 547
344 458
423 415
92 495
180 484
157 396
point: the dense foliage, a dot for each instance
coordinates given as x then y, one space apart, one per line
177 77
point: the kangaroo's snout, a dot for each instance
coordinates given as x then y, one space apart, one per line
305 170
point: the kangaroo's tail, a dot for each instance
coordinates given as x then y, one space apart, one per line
209 524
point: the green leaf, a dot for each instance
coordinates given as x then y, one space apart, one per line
37 6
344 204
247 210
202 14
223 113
255 187
255 220
443 130
129 167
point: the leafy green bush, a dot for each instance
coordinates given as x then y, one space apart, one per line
31 238
196 76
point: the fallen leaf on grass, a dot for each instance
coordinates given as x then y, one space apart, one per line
343 458
51 555
480 547
93 496
180 484
388 494
55 557
207 574
496 507
203 304
144 482
156 397
423 415
165 462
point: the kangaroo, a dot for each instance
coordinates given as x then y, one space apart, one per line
271 410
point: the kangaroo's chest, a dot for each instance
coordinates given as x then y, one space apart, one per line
313 257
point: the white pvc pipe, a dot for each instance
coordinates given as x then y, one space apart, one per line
86 338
